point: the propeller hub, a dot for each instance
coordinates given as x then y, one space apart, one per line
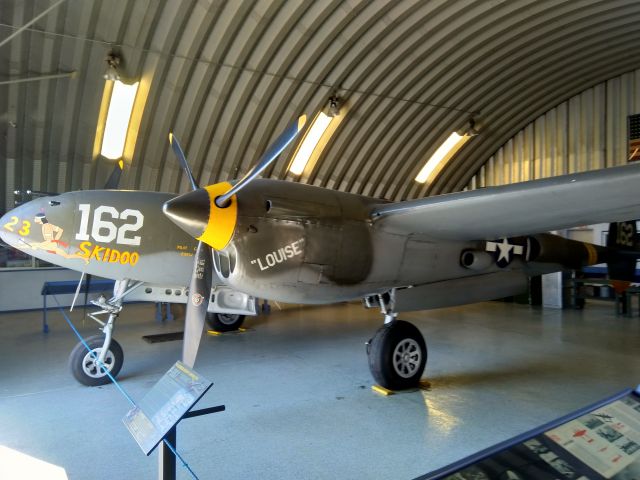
197 214
189 211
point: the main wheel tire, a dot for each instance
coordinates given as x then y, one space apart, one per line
397 355
224 322
84 367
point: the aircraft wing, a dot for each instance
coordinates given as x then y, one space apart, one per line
607 195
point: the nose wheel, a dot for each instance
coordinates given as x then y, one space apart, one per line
85 367
397 355
88 365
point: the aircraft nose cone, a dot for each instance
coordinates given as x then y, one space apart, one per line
4 234
190 211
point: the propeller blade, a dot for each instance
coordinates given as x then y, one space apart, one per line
197 303
200 285
114 178
269 156
182 159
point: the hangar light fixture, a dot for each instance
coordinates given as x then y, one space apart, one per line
312 142
448 149
113 62
118 116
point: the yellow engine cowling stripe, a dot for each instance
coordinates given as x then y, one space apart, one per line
222 221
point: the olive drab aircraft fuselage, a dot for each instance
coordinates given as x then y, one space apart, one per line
109 233
304 244
290 242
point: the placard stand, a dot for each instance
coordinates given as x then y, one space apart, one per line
157 415
166 458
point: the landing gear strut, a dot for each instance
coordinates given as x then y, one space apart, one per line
397 352
87 366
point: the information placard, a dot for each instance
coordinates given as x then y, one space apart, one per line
165 405
601 442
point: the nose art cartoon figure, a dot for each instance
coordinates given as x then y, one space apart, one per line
51 235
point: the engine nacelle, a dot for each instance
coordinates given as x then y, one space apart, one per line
476 260
298 243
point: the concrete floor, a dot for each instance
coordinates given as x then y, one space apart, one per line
297 390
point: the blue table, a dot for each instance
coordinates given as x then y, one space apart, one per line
69 287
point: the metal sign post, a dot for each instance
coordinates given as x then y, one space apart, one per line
155 419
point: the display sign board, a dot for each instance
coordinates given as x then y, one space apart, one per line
165 405
601 443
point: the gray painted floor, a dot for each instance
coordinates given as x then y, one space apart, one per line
297 390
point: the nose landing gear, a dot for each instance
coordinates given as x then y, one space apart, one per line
88 366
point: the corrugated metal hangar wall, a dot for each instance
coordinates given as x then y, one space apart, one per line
228 76
587 132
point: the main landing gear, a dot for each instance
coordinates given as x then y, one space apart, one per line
224 322
87 366
397 352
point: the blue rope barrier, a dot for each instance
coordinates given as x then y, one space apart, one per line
115 382
93 354
184 464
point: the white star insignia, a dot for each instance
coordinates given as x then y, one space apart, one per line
504 248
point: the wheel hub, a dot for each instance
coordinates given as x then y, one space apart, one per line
407 357
90 364
227 318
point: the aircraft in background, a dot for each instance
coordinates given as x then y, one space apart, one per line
304 244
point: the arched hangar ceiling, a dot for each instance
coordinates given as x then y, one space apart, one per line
228 76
